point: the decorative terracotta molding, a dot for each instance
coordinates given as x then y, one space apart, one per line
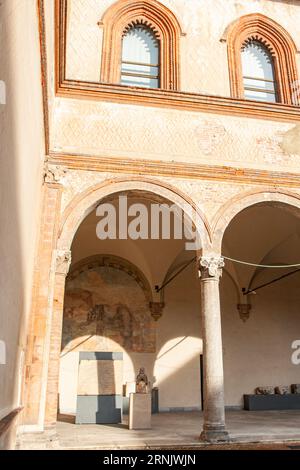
179 100
280 45
159 97
156 309
123 14
181 170
210 266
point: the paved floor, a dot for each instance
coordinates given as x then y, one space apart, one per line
180 430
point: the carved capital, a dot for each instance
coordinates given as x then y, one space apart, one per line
244 311
63 262
54 173
210 266
156 309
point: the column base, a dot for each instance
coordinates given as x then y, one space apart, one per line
215 434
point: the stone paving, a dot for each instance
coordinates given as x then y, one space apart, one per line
260 429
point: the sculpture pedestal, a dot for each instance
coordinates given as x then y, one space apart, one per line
140 411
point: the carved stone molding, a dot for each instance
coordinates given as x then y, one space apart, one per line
156 309
244 311
210 266
63 262
54 173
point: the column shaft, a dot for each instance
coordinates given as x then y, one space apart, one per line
214 414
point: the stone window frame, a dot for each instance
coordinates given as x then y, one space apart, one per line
279 43
123 15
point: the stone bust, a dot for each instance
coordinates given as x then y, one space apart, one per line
142 382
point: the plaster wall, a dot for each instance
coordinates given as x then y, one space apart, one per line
258 352
22 153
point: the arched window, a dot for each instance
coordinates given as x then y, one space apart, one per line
140 58
143 36
258 72
262 60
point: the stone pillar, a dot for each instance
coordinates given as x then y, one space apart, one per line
214 413
63 262
36 347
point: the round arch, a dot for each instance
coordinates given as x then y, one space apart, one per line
280 45
124 13
85 202
237 204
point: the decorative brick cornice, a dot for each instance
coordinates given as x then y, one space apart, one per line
175 169
126 13
179 100
281 46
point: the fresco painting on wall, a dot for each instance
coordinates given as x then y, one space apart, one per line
106 310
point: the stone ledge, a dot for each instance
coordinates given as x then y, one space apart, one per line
272 402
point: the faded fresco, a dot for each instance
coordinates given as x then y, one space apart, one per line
106 310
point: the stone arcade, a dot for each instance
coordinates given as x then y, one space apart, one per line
161 102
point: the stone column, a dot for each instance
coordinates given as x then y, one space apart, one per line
214 413
63 261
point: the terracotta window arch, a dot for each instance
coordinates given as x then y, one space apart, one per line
124 15
259 29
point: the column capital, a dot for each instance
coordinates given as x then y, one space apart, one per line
54 173
63 262
210 266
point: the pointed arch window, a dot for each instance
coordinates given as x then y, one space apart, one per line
262 60
140 45
258 72
140 58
